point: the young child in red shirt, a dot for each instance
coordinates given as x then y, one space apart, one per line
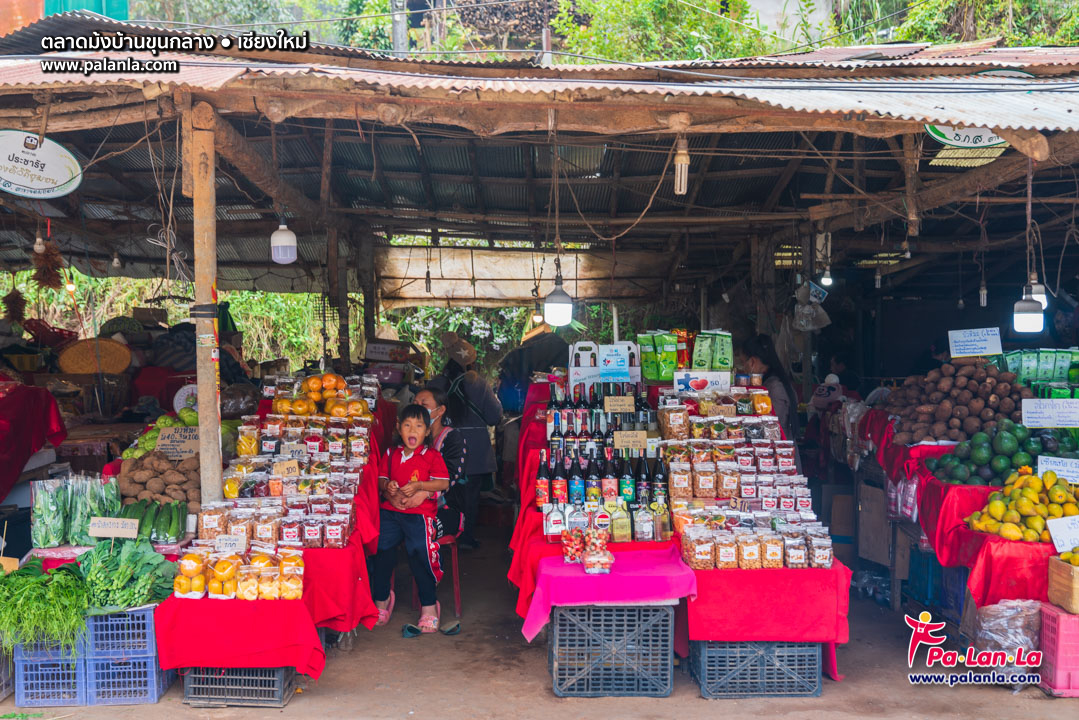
410 468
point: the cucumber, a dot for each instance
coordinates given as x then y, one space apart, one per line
146 523
175 528
161 524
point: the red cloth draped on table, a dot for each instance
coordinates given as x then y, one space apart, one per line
385 423
636 578
337 591
729 606
941 509
1008 570
238 634
528 466
28 417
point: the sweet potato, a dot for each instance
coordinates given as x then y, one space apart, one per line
992 371
128 488
955 423
989 426
1003 389
194 495
947 370
162 498
961 412
939 429
945 384
915 438
926 409
194 506
174 478
1006 377
175 492
923 417
954 393
993 401
944 410
128 466
1017 416
1007 406
987 414
155 485
193 476
192 463
966 371
961 381
129 501
984 391
963 361
953 434
979 375
141 476
964 397
1026 393
976 405
933 375
145 495
972 425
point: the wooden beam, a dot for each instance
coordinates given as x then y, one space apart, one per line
1029 142
787 175
732 215
911 152
477 185
369 286
160 108
325 191
202 155
616 179
858 152
833 162
234 148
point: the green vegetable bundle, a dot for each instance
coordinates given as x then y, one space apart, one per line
36 607
48 513
90 497
125 574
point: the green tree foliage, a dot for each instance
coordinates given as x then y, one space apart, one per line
212 12
640 30
1018 22
369 26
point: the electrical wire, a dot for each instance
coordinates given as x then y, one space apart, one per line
721 16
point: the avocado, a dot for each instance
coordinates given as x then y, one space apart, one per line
962 450
1005 443
980 438
981 455
960 473
1000 464
1020 459
1007 426
931 464
1033 445
1022 433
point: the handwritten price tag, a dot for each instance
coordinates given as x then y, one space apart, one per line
287 468
230 543
630 440
107 527
740 504
619 404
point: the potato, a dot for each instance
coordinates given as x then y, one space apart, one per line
174 478
128 488
175 492
142 476
192 463
1003 389
979 375
939 429
990 381
963 361
128 466
933 375
993 401
129 501
987 414
919 436
920 426
926 409
191 484
923 417
972 425
961 412
945 384
155 485
912 380
966 371
1026 393
984 391
1007 406
1006 377
935 398
193 476
947 370
162 465
145 495
194 495
961 381
953 434
194 507
976 405
964 398
954 393
955 423
928 388
163 499
992 371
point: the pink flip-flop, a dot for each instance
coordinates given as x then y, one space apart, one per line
429 623
384 615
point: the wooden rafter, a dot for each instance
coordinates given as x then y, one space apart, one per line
787 175
477 184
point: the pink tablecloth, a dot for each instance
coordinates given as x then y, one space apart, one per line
637 577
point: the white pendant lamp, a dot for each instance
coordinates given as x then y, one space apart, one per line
283 244
558 305
1028 315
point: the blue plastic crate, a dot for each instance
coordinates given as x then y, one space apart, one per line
121 635
50 651
49 683
923 581
7 677
612 651
756 669
134 681
224 687
953 592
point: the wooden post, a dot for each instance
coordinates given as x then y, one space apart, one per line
343 350
368 286
911 150
203 160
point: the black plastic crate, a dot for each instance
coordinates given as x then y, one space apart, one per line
756 669
120 636
222 687
616 651
134 681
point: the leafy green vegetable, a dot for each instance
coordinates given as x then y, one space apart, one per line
125 574
39 608
48 513
90 497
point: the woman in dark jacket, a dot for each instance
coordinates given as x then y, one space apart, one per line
451 444
761 357
474 408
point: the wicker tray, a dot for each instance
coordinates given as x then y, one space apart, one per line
96 355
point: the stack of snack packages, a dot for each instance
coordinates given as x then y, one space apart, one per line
737 499
292 487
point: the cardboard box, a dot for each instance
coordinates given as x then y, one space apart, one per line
394 351
150 317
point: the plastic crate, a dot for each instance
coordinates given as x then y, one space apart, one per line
46 651
121 635
49 683
612 651
953 592
135 681
7 677
923 581
756 669
1060 652
222 687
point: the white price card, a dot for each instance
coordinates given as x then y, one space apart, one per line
1044 413
1064 531
1065 468
977 342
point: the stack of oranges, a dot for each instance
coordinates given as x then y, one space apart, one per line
330 390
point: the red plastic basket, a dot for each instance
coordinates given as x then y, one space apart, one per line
1060 648
45 334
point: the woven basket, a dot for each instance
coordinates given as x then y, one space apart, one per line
96 355
1064 584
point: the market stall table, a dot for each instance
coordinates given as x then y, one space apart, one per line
641 577
769 605
238 634
1007 569
942 508
29 417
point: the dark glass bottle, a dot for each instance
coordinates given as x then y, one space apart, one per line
556 443
659 480
626 481
644 481
543 482
576 481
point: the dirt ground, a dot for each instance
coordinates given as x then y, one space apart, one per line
489 671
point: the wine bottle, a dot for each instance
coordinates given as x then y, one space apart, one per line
576 481
543 482
592 489
556 442
608 481
660 492
626 482
559 483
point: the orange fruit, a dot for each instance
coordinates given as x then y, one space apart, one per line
339 410
229 587
355 407
313 383
181 584
314 396
191 565
329 381
291 561
302 406
214 586
263 561
224 569
198 584
282 406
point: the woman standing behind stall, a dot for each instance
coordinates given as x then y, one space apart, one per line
451 444
761 358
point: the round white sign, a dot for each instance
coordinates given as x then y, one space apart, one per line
36 170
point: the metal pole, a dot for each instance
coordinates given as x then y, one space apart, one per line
399 21
545 59
203 159
343 350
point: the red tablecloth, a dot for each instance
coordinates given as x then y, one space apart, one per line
385 422
729 607
528 465
238 634
637 578
28 417
1007 570
941 509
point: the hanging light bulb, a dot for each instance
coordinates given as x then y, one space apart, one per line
681 167
116 264
427 281
877 278
1028 315
537 314
983 295
283 244
905 247
826 278
70 287
39 244
558 306
961 305
726 298
1037 290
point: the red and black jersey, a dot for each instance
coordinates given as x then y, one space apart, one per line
402 467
